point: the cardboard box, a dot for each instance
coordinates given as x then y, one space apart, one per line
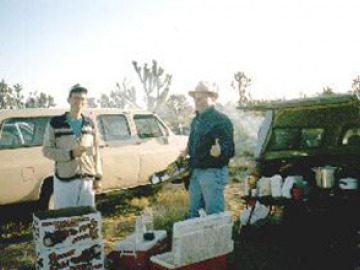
72 258
67 227
68 239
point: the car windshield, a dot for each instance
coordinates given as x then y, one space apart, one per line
22 132
147 126
295 138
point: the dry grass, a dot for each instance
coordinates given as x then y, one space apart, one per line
119 212
19 256
140 203
171 206
266 250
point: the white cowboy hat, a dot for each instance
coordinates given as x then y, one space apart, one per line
206 88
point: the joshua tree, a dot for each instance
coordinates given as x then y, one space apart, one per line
327 91
156 87
124 95
105 101
241 83
92 103
13 98
177 112
356 84
39 100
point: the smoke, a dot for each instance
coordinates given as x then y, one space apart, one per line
246 127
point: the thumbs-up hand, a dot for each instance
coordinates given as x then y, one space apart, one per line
215 149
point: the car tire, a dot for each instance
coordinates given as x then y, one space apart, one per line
46 201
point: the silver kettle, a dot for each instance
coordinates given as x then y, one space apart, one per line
325 176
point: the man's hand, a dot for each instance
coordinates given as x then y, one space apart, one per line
97 185
215 149
79 151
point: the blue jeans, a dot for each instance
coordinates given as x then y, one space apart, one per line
207 190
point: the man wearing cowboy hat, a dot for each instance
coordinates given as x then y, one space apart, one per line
210 147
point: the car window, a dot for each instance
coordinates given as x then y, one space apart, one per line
351 136
113 127
22 132
311 137
284 139
295 138
148 126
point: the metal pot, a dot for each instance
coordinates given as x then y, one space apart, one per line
325 176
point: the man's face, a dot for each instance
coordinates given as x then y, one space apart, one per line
201 101
77 101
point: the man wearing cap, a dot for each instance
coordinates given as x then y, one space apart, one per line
71 141
210 147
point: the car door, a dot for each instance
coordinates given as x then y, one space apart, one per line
22 164
156 147
119 152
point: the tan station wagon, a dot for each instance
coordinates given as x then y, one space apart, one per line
133 145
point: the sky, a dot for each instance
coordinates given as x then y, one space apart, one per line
286 47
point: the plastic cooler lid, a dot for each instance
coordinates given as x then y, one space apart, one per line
130 243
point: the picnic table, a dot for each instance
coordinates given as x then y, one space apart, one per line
324 226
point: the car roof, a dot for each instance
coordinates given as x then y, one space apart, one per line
57 111
313 102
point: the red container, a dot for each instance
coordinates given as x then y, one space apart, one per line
296 193
140 260
217 263
130 262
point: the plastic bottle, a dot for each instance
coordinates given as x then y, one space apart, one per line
247 189
148 220
276 183
139 230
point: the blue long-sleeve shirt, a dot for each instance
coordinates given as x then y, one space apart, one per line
206 127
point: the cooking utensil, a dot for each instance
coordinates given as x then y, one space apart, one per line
325 176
